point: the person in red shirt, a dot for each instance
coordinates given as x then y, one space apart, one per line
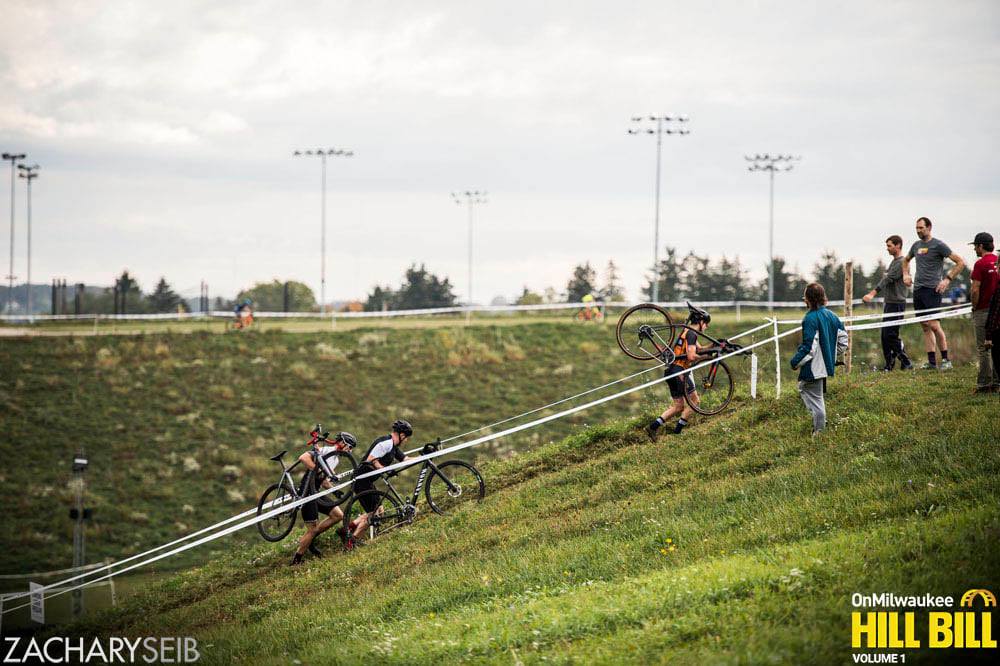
984 283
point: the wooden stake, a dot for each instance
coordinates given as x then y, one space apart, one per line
848 309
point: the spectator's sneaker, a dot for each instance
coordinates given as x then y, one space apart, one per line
314 550
653 431
296 559
946 364
906 366
928 366
983 389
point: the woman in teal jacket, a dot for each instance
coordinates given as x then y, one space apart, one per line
823 337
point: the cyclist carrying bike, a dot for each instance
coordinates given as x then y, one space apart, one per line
317 466
687 352
383 452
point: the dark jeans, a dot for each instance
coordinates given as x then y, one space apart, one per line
892 346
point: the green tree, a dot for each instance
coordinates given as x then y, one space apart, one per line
129 295
612 291
670 274
420 289
164 299
529 297
582 282
788 284
270 296
829 272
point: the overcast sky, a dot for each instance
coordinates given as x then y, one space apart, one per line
165 134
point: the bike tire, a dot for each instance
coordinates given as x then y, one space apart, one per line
391 517
713 397
466 477
345 463
638 317
277 527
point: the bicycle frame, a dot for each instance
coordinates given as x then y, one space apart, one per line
428 467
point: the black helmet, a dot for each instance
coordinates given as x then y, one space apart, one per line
347 438
402 427
697 315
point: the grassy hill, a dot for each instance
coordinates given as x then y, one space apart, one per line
178 427
740 541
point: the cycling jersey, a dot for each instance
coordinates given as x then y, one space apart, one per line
385 451
686 339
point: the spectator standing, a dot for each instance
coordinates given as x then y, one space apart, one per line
928 286
984 285
823 337
894 294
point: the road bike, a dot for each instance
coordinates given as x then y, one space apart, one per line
589 313
646 332
449 485
286 491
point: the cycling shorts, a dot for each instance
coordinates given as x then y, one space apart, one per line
681 384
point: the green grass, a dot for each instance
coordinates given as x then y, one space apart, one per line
739 542
160 415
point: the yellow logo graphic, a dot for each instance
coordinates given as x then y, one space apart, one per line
969 597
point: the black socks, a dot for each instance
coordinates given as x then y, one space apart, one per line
681 422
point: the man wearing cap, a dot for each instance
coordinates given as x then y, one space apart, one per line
984 283
928 286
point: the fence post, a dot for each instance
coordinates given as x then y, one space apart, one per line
848 309
777 360
737 311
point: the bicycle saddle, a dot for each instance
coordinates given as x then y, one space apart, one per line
278 457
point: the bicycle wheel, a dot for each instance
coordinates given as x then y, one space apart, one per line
344 467
278 526
466 485
384 512
714 384
645 331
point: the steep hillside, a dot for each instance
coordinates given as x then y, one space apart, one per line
741 541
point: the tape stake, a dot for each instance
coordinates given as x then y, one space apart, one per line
753 376
37 602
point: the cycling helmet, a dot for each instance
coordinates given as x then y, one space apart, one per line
402 427
697 315
347 438
247 301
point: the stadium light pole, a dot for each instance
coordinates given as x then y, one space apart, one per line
470 198
28 173
664 124
770 163
323 154
13 158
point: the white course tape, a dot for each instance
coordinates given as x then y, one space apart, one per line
416 461
389 468
913 320
880 315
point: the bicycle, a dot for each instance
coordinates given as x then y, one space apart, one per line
286 491
646 332
240 323
451 484
589 314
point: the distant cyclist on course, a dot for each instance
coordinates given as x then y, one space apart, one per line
686 353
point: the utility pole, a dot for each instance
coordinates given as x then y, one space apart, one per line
12 158
29 174
323 154
770 164
78 514
470 198
664 124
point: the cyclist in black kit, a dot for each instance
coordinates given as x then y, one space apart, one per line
383 452
313 460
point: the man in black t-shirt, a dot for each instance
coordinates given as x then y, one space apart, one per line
383 452
686 353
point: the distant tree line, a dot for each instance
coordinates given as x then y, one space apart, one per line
419 289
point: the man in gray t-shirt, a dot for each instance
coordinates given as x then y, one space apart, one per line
928 287
894 292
